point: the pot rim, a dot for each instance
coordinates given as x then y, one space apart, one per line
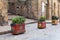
16 24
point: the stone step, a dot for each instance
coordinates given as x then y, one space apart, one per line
5 29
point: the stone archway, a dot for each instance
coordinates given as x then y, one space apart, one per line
3 12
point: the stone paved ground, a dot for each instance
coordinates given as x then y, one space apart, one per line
33 33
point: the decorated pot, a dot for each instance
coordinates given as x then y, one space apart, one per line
42 25
54 22
17 28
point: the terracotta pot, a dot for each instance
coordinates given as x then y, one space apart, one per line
54 22
17 28
42 25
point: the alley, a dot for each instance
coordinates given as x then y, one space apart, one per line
27 16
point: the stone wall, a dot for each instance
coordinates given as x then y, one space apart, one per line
34 4
3 11
40 8
28 8
59 11
52 8
32 8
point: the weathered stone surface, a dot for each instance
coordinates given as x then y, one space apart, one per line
33 8
59 10
4 10
52 8
34 4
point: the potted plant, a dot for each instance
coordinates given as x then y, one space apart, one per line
18 25
42 23
54 20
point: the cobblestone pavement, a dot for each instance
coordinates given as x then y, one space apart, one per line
51 32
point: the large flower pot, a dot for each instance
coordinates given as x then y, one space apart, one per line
42 25
17 28
54 22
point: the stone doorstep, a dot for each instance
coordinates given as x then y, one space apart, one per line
5 29
5 32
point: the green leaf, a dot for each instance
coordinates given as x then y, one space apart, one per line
54 18
42 18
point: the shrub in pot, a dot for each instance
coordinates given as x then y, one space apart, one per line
42 23
18 25
54 20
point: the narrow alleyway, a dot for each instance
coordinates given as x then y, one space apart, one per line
33 9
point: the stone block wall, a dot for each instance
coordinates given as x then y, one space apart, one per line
52 8
59 11
33 8
4 11
34 4
40 8
28 9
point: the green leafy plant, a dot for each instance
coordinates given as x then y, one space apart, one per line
54 18
18 20
42 18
